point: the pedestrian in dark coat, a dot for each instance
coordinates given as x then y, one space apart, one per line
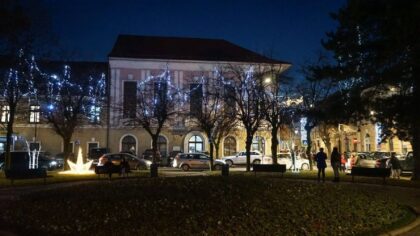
336 163
395 167
109 168
321 164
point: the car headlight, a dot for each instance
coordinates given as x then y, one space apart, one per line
148 163
53 163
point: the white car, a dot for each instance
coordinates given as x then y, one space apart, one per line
240 158
286 159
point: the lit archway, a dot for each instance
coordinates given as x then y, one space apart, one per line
128 143
229 146
195 144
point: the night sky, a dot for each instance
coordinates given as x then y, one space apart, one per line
288 30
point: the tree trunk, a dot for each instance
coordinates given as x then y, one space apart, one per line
9 134
416 150
248 144
274 144
155 148
216 147
309 148
67 151
211 155
328 145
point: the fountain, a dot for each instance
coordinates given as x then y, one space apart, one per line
79 167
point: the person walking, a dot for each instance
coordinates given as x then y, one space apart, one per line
343 162
321 164
336 163
109 167
395 167
123 166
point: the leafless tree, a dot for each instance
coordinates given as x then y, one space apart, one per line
214 114
17 83
72 101
156 102
247 93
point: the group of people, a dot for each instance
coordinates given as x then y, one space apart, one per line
123 170
338 162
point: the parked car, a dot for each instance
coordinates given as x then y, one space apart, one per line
407 162
240 158
115 158
187 161
95 153
370 160
148 155
286 159
20 159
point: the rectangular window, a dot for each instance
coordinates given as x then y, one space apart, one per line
91 145
196 99
229 98
5 114
95 114
160 90
34 113
130 99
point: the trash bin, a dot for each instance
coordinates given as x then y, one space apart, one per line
154 170
225 170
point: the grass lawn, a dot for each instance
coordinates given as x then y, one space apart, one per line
56 177
238 205
329 175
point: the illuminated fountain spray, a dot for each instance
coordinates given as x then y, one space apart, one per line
79 167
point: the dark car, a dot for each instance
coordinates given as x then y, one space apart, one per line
20 160
407 162
115 158
148 155
96 153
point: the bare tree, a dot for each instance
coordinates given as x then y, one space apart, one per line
17 83
326 130
155 103
71 101
225 125
212 114
248 95
278 106
313 93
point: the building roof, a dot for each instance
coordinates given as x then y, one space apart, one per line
177 48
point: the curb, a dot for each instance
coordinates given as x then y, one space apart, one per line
407 228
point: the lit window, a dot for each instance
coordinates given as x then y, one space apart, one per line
5 114
195 144
95 114
34 114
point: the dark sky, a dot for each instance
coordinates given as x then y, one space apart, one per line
289 30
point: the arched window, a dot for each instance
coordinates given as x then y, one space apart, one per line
128 144
162 145
229 146
258 144
367 143
195 144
